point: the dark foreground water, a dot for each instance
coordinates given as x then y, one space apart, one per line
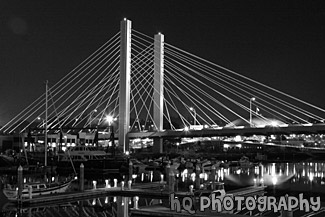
281 178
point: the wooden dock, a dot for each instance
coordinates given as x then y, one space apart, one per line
146 190
140 190
161 211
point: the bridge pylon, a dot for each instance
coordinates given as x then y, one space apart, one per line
124 88
158 91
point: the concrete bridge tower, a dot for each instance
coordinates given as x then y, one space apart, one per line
124 87
125 77
158 91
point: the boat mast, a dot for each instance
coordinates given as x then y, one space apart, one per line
46 107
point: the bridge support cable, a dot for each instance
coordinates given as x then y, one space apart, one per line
144 93
304 112
94 91
39 101
83 79
144 81
34 109
85 92
150 87
238 83
103 94
166 108
155 81
148 40
234 92
83 97
68 115
148 92
192 84
196 88
196 100
201 75
146 88
141 64
169 95
87 69
100 100
111 102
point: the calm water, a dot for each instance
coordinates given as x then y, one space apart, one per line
281 179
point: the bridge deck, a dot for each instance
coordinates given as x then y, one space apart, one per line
290 129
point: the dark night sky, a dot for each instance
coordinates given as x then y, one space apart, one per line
279 43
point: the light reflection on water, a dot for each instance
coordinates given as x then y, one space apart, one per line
304 177
103 206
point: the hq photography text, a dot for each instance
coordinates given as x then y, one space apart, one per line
230 202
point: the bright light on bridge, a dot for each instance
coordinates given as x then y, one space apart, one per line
274 123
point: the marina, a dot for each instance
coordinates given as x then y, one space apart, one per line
289 177
144 128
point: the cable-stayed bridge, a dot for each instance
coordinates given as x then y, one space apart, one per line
150 88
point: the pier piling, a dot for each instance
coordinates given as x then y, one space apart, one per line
122 185
20 183
197 177
213 175
82 178
260 174
107 183
136 200
130 171
171 181
30 192
167 173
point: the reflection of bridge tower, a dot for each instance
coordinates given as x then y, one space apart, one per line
125 72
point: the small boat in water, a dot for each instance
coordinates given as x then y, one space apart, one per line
244 162
31 190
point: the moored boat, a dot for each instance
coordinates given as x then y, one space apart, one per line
31 190
244 162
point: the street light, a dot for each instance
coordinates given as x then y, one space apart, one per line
194 111
250 110
177 144
41 119
110 120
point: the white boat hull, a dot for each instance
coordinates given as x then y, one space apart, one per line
12 194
